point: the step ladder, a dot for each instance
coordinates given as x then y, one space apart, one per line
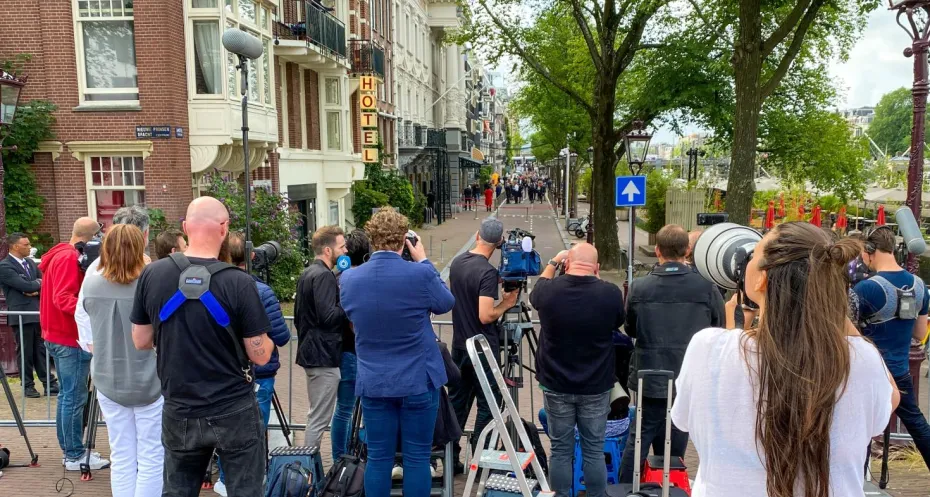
508 465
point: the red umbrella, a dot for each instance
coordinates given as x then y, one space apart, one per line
815 216
801 212
880 218
770 216
781 206
841 221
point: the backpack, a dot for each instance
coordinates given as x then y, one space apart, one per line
291 480
899 303
533 433
347 476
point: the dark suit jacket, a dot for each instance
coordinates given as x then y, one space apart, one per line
15 284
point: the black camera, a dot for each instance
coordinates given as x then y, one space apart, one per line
88 251
412 238
265 255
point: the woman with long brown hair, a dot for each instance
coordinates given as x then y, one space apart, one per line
786 409
128 389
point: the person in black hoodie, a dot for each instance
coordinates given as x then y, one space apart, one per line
320 323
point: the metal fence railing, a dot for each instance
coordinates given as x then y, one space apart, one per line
35 414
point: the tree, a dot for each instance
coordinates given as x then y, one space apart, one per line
611 35
382 188
771 38
891 127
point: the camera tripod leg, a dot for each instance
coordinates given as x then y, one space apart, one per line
282 419
34 459
93 413
208 475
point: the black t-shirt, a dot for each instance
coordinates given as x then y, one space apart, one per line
197 361
471 276
577 316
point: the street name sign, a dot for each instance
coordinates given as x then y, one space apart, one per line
631 191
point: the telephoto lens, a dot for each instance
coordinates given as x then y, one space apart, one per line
722 250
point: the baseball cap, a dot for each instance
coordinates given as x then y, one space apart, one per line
492 230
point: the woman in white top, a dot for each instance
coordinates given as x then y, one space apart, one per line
786 409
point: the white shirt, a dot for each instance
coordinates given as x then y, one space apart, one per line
81 318
716 405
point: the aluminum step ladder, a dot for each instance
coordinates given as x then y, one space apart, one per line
508 464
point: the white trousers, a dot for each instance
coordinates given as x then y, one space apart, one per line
136 453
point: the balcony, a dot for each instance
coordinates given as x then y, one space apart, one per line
367 58
309 34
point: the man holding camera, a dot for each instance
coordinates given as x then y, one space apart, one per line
575 363
320 322
893 308
474 284
664 310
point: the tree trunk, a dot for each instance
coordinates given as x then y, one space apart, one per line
603 178
747 65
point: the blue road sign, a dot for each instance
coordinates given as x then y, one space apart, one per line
631 191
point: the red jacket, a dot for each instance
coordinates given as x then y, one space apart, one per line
61 282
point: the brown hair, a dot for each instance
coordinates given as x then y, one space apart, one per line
672 242
882 238
387 229
802 358
325 237
165 242
224 251
237 248
122 254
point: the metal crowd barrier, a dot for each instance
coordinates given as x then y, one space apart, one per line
287 355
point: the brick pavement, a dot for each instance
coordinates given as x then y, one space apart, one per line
907 480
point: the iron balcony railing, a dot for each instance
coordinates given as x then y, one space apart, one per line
418 132
436 138
314 23
367 58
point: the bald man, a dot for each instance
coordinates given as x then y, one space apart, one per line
664 310
209 400
58 299
578 313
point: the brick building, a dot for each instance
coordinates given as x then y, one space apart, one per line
147 100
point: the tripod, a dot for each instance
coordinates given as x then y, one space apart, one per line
515 325
34 459
91 414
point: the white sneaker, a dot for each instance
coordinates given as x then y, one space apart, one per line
220 488
95 463
398 472
92 454
434 470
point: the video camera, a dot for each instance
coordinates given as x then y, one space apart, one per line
265 255
88 251
518 259
722 254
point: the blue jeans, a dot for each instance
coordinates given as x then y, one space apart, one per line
909 413
263 396
73 366
414 418
345 403
589 413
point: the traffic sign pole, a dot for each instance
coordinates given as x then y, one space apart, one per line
630 250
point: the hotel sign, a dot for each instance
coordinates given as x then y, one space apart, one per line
368 107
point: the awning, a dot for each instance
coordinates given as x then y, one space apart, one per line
467 162
477 154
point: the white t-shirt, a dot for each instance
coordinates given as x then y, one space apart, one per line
716 406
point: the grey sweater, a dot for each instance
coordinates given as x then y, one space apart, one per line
122 373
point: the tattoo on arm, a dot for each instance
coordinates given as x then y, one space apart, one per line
255 343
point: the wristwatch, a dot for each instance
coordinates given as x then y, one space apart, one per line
554 264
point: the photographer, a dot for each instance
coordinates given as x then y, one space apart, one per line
320 321
575 363
57 304
787 408
664 310
891 325
474 282
400 368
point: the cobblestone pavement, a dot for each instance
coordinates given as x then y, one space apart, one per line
907 480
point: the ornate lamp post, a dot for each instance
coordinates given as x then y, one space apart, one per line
637 147
10 88
693 155
917 15
590 234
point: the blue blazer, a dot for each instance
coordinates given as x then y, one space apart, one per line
389 301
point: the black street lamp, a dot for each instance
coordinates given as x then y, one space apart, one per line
10 88
917 13
693 154
637 146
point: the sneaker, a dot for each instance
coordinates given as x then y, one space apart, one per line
434 469
458 468
53 390
398 472
32 393
220 488
95 463
92 455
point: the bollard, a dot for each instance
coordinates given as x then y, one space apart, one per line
431 245
527 215
476 213
442 246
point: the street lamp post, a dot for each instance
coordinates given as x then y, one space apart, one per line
10 89
693 154
917 14
637 147
590 234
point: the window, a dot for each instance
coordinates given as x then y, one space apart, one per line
409 30
332 99
334 212
114 182
208 60
106 51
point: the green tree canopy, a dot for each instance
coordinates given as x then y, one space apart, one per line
891 127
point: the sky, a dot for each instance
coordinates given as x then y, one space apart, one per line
876 66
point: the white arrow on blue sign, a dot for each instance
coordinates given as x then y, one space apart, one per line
631 191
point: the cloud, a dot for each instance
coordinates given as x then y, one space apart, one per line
876 64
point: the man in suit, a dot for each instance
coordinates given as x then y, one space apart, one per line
20 281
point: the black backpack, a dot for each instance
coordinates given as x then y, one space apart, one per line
292 480
533 433
347 476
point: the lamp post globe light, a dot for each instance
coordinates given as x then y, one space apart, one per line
10 88
914 17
